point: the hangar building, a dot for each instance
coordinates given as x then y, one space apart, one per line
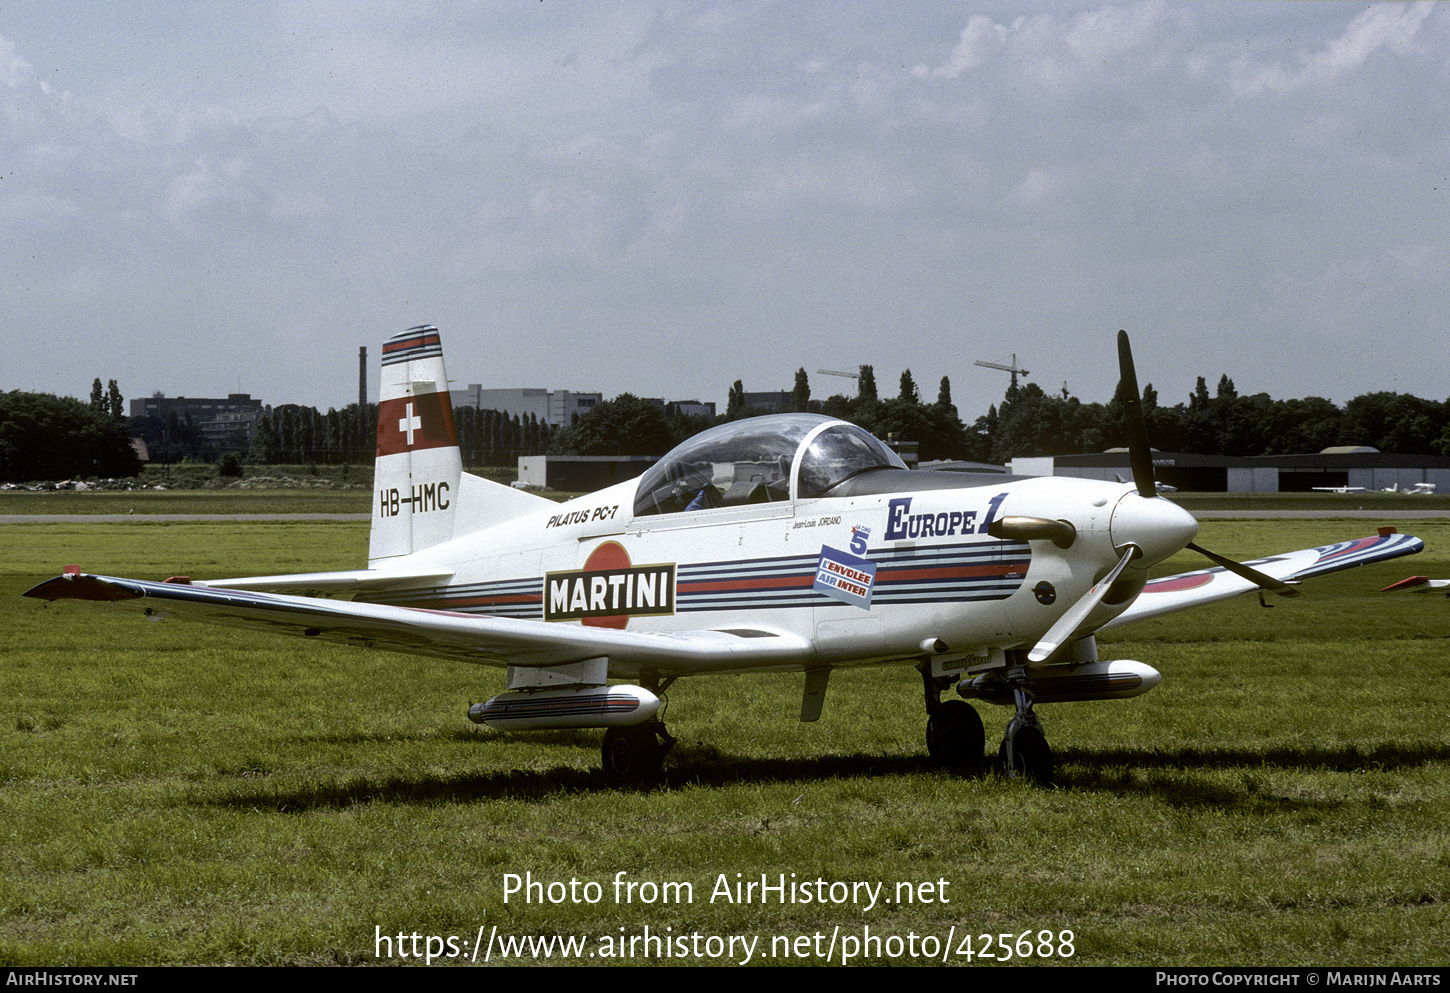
1360 467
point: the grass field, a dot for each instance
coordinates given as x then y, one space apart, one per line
174 793
144 503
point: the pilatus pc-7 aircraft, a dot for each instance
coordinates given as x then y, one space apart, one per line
793 542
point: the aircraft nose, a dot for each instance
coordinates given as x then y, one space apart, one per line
1158 526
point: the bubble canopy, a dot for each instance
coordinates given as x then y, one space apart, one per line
757 460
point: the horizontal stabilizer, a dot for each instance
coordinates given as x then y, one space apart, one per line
1417 584
482 503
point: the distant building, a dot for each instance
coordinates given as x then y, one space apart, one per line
581 473
226 423
554 407
691 408
683 408
558 407
1364 468
768 403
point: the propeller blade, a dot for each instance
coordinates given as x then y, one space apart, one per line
1060 533
1254 576
1139 452
1077 613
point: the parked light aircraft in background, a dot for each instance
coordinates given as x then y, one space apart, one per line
1417 488
1419 584
792 542
1160 487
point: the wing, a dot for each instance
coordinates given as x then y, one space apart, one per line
471 638
327 584
1194 589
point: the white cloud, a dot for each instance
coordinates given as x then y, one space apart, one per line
798 177
1388 27
980 40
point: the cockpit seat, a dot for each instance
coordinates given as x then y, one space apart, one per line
744 491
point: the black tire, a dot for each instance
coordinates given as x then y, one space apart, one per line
955 736
1031 755
631 755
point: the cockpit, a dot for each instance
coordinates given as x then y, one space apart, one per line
760 460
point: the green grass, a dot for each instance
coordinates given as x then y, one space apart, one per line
145 502
193 488
175 793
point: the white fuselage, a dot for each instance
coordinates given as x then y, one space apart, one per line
867 578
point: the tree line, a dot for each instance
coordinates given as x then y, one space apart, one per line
291 434
1029 422
1025 422
296 435
48 437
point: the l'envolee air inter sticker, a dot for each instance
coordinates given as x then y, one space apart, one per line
844 576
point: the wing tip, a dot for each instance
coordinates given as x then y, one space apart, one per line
79 586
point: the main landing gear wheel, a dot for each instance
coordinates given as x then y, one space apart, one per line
633 754
954 735
1025 752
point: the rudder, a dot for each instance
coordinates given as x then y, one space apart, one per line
417 473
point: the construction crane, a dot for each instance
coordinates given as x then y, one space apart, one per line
1005 368
843 375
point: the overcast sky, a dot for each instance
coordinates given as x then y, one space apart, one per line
662 197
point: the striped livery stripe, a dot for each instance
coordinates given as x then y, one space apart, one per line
414 343
748 585
926 574
952 573
1346 554
507 598
947 573
520 706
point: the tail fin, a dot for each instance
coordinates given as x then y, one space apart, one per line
419 466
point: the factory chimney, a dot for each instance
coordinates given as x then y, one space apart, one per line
362 377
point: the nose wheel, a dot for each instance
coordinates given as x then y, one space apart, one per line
1024 751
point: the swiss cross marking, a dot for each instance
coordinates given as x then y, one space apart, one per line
409 423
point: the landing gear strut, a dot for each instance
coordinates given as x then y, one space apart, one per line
954 734
1024 750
